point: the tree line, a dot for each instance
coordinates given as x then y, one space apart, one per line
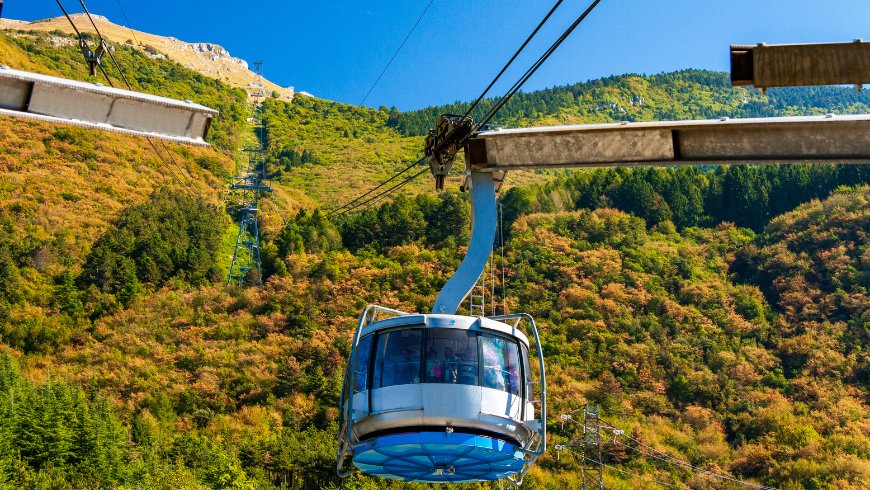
684 94
748 196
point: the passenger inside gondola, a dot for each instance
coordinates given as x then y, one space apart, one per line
433 368
449 366
398 359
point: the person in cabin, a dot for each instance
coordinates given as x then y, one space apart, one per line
467 372
433 368
449 366
405 372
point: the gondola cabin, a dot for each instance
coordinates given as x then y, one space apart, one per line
442 399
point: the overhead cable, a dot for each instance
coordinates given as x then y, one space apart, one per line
102 41
531 71
508 64
187 187
482 95
394 177
177 180
397 52
670 460
128 22
513 58
180 171
676 462
389 191
626 472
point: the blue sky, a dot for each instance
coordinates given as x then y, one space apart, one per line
336 49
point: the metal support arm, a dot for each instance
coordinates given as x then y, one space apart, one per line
93 106
483 222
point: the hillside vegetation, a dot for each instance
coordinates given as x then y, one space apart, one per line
686 94
716 314
647 322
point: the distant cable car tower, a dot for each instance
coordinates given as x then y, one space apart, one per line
258 88
248 187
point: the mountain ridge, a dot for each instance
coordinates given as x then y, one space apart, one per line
210 59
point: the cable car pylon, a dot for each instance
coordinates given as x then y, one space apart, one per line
247 188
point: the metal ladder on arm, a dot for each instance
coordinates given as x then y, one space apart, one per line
477 297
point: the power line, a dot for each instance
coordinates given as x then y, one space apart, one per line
397 52
671 460
628 473
676 462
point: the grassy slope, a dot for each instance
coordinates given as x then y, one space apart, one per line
231 73
358 147
61 186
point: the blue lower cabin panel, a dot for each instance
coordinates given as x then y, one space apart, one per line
417 456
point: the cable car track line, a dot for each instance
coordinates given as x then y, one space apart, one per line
102 42
531 71
391 189
513 58
476 102
128 22
409 167
397 52
109 80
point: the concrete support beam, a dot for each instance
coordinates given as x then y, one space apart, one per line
832 138
94 106
794 65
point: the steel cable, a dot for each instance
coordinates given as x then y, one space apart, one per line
476 102
389 191
109 80
394 177
397 52
531 71
513 58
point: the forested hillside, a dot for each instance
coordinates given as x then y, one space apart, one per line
717 314
334 151
686 94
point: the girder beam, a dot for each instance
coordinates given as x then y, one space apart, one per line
93 106
794 65
831 138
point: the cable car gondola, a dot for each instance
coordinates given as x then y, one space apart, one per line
440 397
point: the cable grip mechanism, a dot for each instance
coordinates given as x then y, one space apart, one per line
443 142
93 58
